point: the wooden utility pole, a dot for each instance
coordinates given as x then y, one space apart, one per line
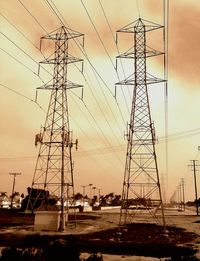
194 168
13 187
183 193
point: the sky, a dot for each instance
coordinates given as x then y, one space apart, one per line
99 122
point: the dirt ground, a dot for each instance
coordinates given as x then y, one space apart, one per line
98 231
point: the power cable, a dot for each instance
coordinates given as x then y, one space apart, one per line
19 47
96 123
25 37
63 21
36 20
105 49
29 12
113 37
97 149
14 58
32 15
165 41
24 53
138 9
22 95
19 31
100 39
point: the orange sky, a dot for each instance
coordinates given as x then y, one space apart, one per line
98 125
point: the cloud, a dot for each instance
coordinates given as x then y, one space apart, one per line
184 37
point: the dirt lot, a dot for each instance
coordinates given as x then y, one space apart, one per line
99 232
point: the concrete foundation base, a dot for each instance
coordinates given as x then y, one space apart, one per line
48 220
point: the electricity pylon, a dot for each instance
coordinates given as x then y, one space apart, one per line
53 175
141 185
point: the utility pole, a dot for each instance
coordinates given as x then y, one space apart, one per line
84 190
54 168
194 166
141 184
94 189
14 174
84 186
183 193
99 190
90 185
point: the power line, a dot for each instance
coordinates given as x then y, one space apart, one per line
100 165
138 8
28 68
24 53
52 9
19 47
165 42
63 21
96 73
113 37
90 18
117 148
25 37
36 20
12 41
97 124
19 31
100 39
97 149
22 95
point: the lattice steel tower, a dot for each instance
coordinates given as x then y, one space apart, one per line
141 185
54 168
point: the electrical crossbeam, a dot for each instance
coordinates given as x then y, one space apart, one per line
141 185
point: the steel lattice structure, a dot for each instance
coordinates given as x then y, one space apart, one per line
141 185
54 168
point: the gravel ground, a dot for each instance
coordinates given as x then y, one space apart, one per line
98 231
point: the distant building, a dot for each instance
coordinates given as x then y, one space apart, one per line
4 200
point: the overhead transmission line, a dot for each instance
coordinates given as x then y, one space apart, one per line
63 21
22 50
96 148
25 37
172 137
105 49
114 40
93 118
18 47
103 133
22 95
14 58
25 66
165 41
100 107
19 31
45 31
29 56
36 20
96 123
138 8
